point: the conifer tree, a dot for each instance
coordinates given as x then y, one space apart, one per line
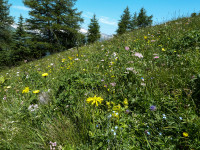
20 51
93 30
57 21
134 21
125 22
143 20
20 33
5 23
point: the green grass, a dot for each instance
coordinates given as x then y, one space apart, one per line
148 103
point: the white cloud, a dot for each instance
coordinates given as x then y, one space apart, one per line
21 8
107 20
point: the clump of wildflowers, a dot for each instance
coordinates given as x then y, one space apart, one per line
94 100
139 55
52 145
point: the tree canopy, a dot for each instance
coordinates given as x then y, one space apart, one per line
93 30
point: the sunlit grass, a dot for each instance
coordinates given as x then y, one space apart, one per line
143 89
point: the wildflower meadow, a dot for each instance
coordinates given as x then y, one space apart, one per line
140 90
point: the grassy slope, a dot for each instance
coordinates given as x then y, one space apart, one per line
168 82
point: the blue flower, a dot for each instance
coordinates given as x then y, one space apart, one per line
153 108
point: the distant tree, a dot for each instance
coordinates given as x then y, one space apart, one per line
134 21
93 30
125 22
143 20
193 14
56 20
20 50
20 33
5 25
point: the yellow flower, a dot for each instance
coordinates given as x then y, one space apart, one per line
63 60
163 49
26 90
8 87
125 101
70 58
94 100
145 37
185 134
45 74
115 114
117 107
36 91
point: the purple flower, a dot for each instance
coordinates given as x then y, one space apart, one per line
128 111
153 108
102 80
127 48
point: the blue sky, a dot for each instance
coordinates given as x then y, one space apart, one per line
108 12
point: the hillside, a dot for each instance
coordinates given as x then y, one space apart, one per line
136 91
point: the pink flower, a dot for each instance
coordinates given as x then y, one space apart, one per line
127 48
139 55
156 57
113 84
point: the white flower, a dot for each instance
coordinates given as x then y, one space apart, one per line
33 107
129 69
164 116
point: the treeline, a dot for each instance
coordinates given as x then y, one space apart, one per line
129 22
53 26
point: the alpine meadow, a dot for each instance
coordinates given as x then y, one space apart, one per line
139 90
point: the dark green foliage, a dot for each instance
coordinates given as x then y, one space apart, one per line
143 20
134 22
20 49
5 22
125 22
128 23
93 30
57 20
193 14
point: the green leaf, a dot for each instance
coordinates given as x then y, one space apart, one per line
2 80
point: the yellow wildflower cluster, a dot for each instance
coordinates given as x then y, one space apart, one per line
26 90
94 100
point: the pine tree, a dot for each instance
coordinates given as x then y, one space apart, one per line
134 21
5 23
20 33
57 20
143 20
20 50
125 22
93 30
